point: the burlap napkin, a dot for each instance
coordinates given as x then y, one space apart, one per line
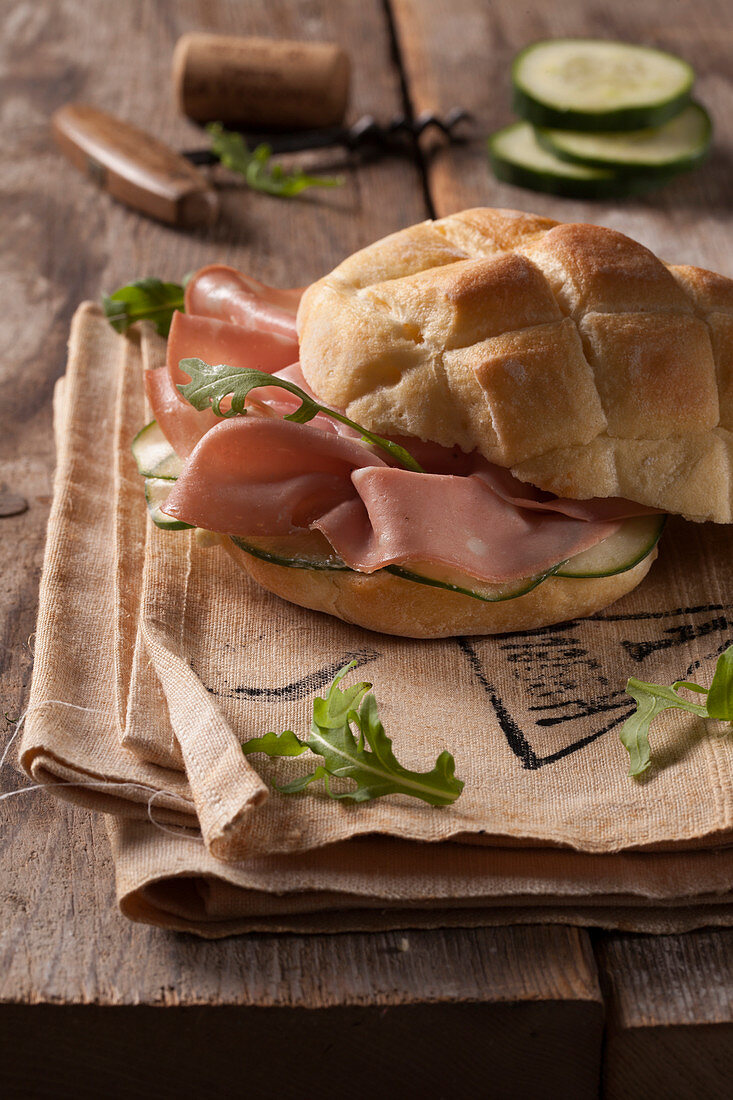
175 657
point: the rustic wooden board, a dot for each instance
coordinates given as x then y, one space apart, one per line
438 1014
513 1052
65 950
671 997
670 1015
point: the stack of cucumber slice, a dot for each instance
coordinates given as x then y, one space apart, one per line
159 464
600 119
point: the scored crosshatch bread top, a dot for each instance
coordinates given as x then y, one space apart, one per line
567 352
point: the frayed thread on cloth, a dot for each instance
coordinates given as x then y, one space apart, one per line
92 783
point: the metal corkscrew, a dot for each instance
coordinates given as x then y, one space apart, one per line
365 133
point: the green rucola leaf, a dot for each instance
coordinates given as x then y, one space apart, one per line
333 711
275 744
254 165
370 761
720 696
378 771
298 785
209 386
144 300
652 699
635 730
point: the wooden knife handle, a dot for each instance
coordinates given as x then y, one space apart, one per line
134 167
261 83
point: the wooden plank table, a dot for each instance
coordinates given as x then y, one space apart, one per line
499 1012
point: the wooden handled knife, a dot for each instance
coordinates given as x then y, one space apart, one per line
134 167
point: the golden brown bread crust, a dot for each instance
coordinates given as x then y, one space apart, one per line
391 605
569 353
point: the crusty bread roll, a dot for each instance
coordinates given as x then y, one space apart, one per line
391 605
568 353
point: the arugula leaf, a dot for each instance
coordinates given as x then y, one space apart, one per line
144 300
274 744
254 164
368 760
209 386
720 695
652 699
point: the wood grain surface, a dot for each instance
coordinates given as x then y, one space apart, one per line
513 1011
669 1003
452 1051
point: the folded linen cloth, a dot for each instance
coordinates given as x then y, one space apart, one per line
156 658
380 883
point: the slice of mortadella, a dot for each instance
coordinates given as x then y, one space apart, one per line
522 493
181 424
228 295
454 521
265 477
262 476
193 337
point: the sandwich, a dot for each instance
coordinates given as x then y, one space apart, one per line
475 425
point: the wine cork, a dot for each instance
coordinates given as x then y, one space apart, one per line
261 83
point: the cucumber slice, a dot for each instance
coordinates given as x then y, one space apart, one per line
156 494
443 577
633 542
517 157
630 545
311 550
154 455
593 84
676 146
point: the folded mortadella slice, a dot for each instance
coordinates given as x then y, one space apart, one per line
261 476
181 424
280 402
504 484
274 401
436 459
193 337
224 293
454 521
250 476
214 342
